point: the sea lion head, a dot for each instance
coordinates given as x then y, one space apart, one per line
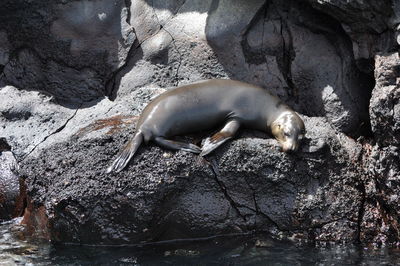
289 130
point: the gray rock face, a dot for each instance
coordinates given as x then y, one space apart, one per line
384 106
381 160
301 54
10 203
318 56
294 51
69 50
4 49
28 117
368 23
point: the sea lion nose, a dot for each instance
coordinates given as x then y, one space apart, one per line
289 146
294 147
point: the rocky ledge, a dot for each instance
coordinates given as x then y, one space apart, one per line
71 90
248 185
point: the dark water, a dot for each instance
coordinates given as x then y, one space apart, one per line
249 250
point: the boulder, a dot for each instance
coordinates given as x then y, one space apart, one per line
369 24
12 189
381 157
247 185
384 108
67 49
294 51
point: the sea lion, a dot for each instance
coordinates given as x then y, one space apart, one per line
207 104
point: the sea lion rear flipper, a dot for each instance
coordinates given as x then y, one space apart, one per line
126 154
177 145
220 137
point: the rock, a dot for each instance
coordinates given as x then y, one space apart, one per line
384 106
32 121
69 50
28 117
367 23
11 196
4 50
172 48
357 15
301 56
379 224
316 55
114 49
246 185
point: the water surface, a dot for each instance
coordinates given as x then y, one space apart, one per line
234 250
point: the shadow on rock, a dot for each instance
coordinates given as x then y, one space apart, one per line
12 188
68 50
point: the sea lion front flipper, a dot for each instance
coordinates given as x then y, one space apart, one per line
177 145
220 137
126 154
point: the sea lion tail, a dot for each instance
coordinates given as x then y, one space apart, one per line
126 153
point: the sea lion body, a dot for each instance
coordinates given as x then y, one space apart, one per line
209 104
205 105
